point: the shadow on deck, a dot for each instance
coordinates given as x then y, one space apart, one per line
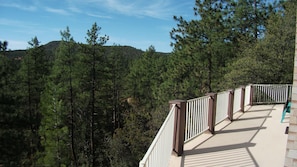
254 138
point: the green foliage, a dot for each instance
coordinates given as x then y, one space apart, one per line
270 60
131 140
248 19
3 45
201 45
227 34
142 114
95 84
60 98
53 131
12 121
70 104
31 77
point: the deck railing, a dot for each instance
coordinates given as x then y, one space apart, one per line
247 95
197 109
160 150
202 114
222 106
237 99
272 93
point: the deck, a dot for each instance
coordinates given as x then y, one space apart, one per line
254 138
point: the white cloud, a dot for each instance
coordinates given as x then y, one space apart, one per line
75 9
17 23
57 11
8 22
86 7
98 16
154 8
161 9
120 6
18 6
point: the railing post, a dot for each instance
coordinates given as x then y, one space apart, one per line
242 98
212 112
230 104
251 95
179 126
289 91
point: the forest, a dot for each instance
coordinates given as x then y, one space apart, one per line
70 104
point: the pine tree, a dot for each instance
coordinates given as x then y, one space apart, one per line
278 44
53 131
142 115
12 121
31 76
60 107
248 19
201 45
118 66
3 46
96 87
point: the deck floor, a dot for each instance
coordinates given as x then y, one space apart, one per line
254 138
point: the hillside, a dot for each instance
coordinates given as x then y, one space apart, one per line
51 47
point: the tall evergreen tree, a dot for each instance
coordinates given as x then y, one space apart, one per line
118 66
12 121
95 84
142 116
268 60
202 45
62 95
53 131
3 46
248 19
31 76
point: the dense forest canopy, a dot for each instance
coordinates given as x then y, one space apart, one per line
73 104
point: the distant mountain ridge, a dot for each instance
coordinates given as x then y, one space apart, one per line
51 47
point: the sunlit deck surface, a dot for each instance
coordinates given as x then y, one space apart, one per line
255 138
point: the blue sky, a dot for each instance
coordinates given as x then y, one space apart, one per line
137 23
